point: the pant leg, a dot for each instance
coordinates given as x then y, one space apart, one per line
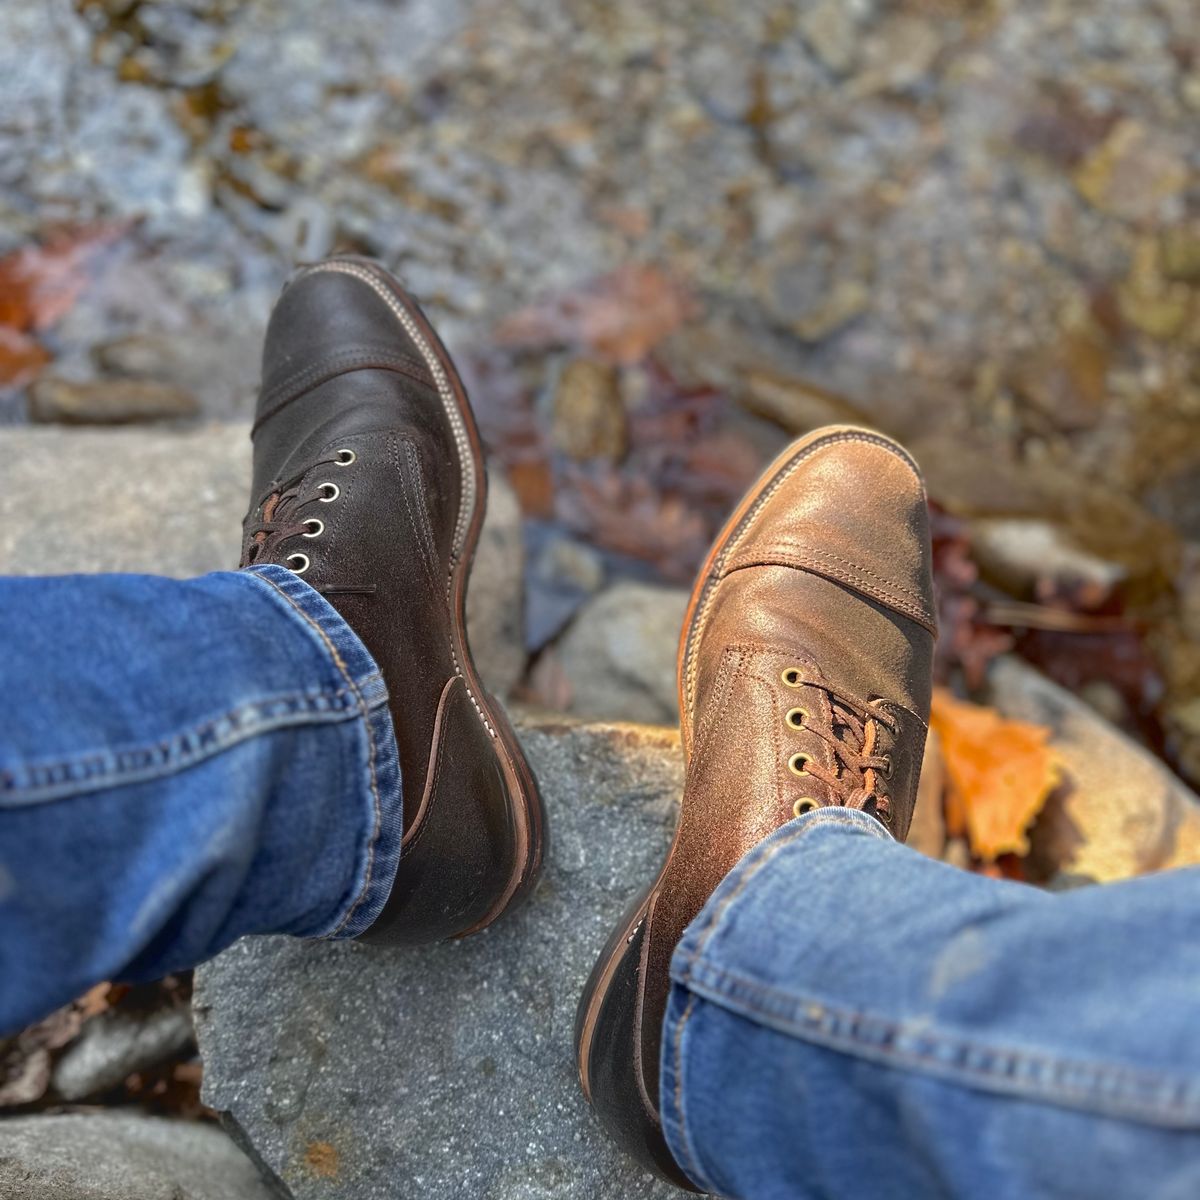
848 1018
182 763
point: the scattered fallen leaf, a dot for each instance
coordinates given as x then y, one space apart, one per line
1132 172
999 771
1061 129
630 517
589 414
38 287
40 284
95 1001
796 404
620 317
966 641
21 357
26 1059
1066 380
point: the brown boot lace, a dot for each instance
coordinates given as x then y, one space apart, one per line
852 731
281 519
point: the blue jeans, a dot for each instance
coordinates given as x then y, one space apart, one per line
182 764
850 1019
185 763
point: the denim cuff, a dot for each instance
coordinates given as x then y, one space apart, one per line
684 1004
380 791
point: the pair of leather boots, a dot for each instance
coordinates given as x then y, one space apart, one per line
804 667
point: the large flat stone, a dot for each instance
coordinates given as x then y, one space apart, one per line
1119 811
172 503
120 1156
618 658
361 1074
123 500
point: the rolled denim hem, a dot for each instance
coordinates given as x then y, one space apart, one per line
379 784
683 1004
831 982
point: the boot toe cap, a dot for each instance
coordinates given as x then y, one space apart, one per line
854 510
329 313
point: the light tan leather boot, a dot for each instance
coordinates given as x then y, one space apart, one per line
804 681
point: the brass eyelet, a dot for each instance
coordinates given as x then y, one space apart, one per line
805 804
796 717
344 458
797 763
792 677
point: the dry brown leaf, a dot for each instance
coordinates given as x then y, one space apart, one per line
620 317
999 771
21 357
95 1001
40 284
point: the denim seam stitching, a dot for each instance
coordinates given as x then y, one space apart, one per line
692 1166
841 1029
364 712
310 710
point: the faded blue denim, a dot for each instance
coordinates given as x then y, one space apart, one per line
182 763
185 763
849 1019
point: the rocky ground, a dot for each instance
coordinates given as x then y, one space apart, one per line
661 238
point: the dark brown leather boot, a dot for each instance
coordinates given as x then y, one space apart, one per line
369 483
804 681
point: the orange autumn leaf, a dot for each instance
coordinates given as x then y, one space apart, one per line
999 774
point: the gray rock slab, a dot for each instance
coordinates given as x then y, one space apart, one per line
108 401
361 1074
172 502
122 1157
113 1045
1118 811
618 658
130 500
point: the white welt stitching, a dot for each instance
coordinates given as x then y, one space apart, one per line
739 535
466 462
445 391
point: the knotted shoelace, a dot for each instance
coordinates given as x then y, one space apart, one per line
853 780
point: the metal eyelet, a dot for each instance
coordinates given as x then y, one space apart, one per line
329 493
886 772
344 458
792 677
796 717
315 526
805 804
304 561
798 762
